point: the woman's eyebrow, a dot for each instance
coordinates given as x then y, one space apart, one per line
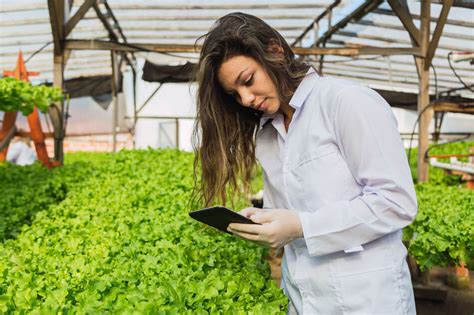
238 77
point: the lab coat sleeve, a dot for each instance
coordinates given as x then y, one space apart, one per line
367 136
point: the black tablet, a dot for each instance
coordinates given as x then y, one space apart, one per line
219 217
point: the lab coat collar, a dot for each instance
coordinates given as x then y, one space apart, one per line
300 95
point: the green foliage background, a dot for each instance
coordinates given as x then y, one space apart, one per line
121 241
111 234
21 96
442 233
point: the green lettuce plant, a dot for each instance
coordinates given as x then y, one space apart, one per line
21 96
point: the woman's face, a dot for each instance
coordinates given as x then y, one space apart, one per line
247 81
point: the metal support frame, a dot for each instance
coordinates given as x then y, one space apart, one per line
149 98
114 82
120 37
365 8
422 48
327 11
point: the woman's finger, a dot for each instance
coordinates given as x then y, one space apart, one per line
245 228
247 212
247 236
261 218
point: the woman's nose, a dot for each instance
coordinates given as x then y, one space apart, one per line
247 98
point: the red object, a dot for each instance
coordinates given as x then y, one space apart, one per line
8 123
37 135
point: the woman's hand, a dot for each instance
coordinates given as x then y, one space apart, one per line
278 227
248 212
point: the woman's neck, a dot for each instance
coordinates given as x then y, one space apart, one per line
287 112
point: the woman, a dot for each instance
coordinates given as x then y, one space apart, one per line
337 186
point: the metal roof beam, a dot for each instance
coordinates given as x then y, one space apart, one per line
358 13
316 21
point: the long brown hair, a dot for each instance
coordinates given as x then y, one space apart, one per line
224 133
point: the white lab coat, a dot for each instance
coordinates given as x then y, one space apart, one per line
342 168
21 154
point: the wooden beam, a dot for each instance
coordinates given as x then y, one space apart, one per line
402 28
443 16
72 22
12 7
133 47
56 15
423 94
414 43
149 5
55 20
467 108
381 69
457 22
364 9
406 19
393 40
66 55
56 110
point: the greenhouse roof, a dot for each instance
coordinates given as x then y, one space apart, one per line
26 25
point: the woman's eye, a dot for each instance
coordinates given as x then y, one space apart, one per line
249 81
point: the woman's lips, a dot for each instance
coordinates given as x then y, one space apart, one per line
262 105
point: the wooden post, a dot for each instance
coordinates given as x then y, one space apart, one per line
114 81
423 93
56 110
58 14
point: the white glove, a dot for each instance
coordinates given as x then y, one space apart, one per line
278 227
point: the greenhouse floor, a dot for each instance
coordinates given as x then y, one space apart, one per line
458 302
